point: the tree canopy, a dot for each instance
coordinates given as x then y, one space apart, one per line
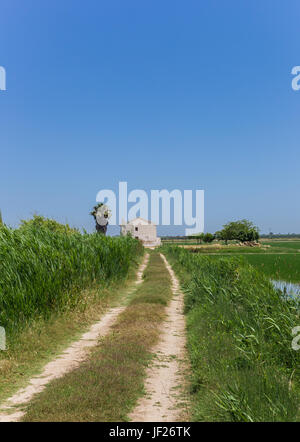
39 221
242 230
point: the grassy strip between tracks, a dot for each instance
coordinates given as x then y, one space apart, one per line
107 386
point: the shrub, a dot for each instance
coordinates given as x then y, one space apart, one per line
208 237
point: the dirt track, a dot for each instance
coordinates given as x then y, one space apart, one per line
164 399
11 410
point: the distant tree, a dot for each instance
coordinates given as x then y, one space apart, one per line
198 237
224 235
281 235
242 230
208 237
1 220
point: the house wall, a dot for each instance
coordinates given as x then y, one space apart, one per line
146 233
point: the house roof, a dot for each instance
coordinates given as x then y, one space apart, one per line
137 221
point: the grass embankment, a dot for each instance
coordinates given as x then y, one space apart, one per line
107 386
239 341
54 282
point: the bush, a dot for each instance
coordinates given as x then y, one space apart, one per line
208 237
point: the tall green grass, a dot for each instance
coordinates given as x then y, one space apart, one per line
239 341
43 270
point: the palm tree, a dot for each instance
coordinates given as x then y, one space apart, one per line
101 214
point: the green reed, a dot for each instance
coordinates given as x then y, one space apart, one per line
43 270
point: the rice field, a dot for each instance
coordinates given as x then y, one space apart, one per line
279 260
289 244
279 267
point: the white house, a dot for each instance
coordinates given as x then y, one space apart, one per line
142 229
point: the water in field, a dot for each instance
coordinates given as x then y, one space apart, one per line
287 288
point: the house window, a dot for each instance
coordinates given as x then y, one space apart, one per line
136 229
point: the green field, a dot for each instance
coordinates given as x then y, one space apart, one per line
283 267
286 244
280 260
279 267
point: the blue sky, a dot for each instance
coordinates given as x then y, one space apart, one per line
161 94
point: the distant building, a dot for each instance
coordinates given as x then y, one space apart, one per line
143 230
